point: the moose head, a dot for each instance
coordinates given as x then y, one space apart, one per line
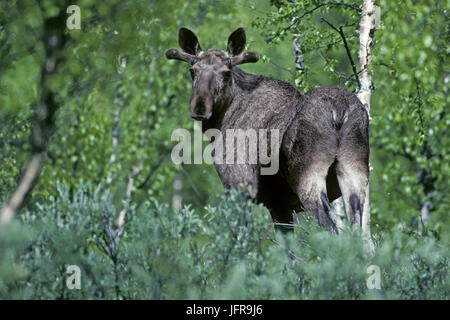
211 70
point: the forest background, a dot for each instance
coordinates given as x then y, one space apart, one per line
105 145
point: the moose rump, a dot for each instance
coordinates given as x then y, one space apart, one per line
325 151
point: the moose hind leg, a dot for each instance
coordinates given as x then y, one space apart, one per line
353 179
312 193
352 167
310 151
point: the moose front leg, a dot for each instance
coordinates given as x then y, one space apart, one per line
237 176
271 190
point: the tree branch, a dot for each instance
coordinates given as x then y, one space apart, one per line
419 110
160 162
297 50
296 20
347 50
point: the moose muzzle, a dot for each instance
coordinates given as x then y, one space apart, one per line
201 106
202 100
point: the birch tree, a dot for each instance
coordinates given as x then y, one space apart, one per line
367 27
362 77
46 107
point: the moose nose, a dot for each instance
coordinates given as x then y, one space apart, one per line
200 108
197 117
200 117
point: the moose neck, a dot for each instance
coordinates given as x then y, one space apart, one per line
243 84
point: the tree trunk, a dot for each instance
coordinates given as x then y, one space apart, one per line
337 214
297 50
177 200
366 29
135 169
54 40
118 109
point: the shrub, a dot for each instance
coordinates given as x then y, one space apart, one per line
229 251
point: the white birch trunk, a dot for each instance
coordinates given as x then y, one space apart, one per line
297 50
337 214
46 108
177 200
32 170
115 131
366 27
135 169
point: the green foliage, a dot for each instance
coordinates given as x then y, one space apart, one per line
325 59
151 92
229 252
409 67
227 249
409 127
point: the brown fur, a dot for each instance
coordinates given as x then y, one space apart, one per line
324 145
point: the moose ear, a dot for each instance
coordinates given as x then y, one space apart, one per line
236 42
188 41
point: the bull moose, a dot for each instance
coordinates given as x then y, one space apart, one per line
324 143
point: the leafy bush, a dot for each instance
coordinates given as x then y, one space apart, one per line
230 251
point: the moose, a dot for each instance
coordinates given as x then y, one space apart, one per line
324 143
